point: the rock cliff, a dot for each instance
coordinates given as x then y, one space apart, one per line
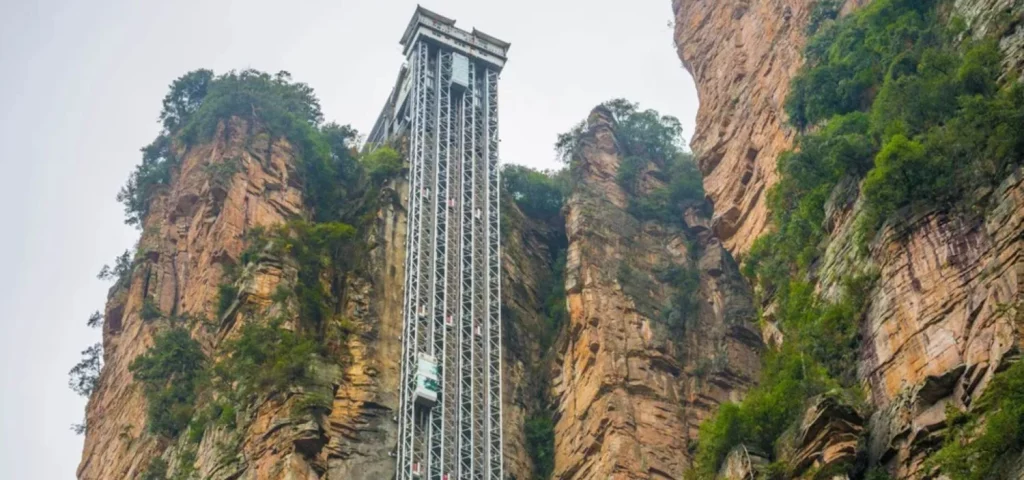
742 55
633 383
941 318
196 230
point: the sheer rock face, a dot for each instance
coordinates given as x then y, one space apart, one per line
941 317
742 55
529 248
828 437
195 228
631 389
945 316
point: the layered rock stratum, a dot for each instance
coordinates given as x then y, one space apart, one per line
631 388
944 315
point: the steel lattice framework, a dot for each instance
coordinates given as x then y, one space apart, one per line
446 104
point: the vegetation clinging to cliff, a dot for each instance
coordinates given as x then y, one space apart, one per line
922 120
645 137
199 102
539 194
986 442
170 373
277 347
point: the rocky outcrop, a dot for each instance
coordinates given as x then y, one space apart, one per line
742 464
827 440
195 230
1003 19
633 382
742 55
940 320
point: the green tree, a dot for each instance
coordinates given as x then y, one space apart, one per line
985 443
95 320
382 163
122 268
85 375
265 359
539 194
184 99
170 372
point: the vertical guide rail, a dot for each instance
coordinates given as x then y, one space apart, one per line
479 370
439 286
465 324
452 372
405 454
494 427
451 333
424 341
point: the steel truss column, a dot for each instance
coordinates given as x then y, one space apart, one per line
452 372
407 423
478 346
494 413
439 287
468 203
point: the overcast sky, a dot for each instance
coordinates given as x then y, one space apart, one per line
80 90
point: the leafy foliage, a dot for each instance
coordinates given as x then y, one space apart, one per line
156 470
845 62
318 248
95 320
986 442
540 441
823 12
226 295
646 137
199 102
121 271
539 194
939 125
684 282
313 404
150 310
85 375
220 173
555 310
382 163
266 358
765 413
185 98
149 177
170 372
923 121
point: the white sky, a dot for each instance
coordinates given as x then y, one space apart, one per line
80 90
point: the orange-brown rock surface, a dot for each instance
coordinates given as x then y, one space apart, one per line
941 318
193 228
629 389
742 55
944 318
196 228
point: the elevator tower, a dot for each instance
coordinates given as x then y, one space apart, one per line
445 104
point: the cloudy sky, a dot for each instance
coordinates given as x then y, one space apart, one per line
80 89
